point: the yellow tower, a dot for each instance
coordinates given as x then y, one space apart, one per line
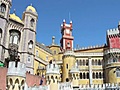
16 76
68 63
112 65
75 75
112 56
53 75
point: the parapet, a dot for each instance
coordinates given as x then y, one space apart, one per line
52 69
113 32
65 86
20 70
69 53
112 50
106 86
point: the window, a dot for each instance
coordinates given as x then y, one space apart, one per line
15 40
80 75
54 52
118 72
3 8
37 54
32 22
29 59
68 44
14 37
30 44
67 66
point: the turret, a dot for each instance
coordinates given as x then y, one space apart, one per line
30 17
112 56
68 63
53 75
67 38
113 37
16 76
75 75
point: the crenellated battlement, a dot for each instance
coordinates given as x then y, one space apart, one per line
89 47
112 50
113 32
69 52
17 70
52 69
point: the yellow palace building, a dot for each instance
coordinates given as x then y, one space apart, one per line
62 66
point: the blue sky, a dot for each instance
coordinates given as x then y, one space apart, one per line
91 19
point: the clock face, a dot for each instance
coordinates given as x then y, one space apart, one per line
67 31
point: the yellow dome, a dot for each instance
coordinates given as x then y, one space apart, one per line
16 18
31 8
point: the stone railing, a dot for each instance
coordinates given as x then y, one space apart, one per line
112 50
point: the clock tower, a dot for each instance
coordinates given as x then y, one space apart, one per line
67 38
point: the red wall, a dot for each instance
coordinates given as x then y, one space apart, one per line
3 74
114 42
32 80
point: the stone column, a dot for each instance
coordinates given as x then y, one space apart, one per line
90 71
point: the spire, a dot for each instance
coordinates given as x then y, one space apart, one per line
53 40
14 11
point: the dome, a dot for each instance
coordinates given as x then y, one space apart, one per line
30 8
16 18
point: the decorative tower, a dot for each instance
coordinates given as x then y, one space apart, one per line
68 63
67 38
5 6
16 76
53 75
113 37
75 75
112 56
30 17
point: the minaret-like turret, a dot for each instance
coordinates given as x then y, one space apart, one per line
67 38
53 75
30 17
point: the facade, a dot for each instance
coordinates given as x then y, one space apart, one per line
29 65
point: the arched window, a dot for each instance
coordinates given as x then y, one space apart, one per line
80 75
83 62
100 75
30 44
96 62
32 22
11 82
15 40
93 75
93 63
99 62
16 81
87 75
83 75
97 75
22 83
14 36
3 8
86 62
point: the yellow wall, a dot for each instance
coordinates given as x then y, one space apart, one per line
70 60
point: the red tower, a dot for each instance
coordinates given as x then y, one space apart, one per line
67 38
113 37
